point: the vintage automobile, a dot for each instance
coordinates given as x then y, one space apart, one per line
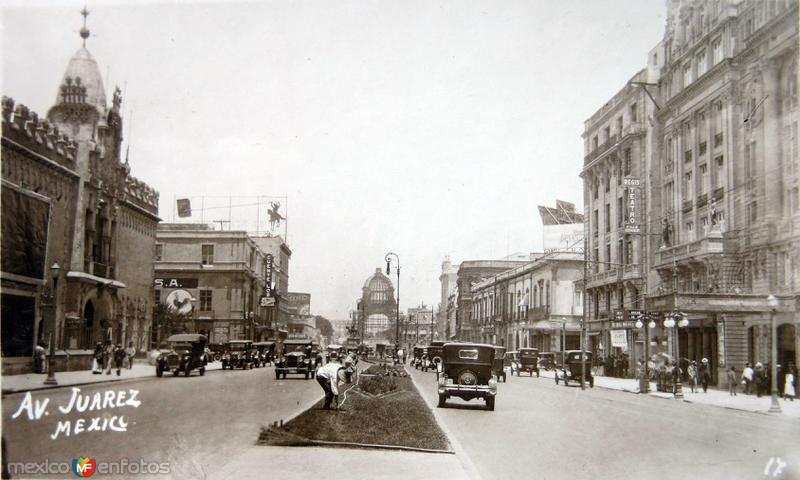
217 350
264 352
333 347
417 360
316 355
511 360
547 360
467 373
498 364
239 354
435 354
572 367
296 358
528 361
187 352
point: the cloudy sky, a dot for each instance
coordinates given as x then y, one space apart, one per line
427 128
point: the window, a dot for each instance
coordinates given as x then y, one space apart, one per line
596 188
633 113
208 254
700 60
687 156
596 258
703 179
689 231
157 296
629 252
703 149
720 162
716 50
596 223
608 217
704 224
594 143
159 252
620 253
608 134
608 257
628 161
620 212
752 212
205 300
688 192
619 125
687 74
608 182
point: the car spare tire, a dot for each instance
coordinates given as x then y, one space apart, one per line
467 377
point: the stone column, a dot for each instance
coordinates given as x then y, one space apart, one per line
771 143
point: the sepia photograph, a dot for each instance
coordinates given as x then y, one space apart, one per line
417 239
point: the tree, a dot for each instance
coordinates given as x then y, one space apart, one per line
324 326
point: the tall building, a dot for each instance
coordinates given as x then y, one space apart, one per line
419 327
281 254
719 186
447 280
70 167
211 281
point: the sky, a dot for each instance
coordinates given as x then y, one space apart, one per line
425 128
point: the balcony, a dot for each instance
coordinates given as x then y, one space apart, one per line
718 138
538 313
702 200
712 244
631 272
602 278
719 193
687 206
612 140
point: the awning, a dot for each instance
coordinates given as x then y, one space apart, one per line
89 278
555 326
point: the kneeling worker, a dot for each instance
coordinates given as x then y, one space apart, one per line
328 378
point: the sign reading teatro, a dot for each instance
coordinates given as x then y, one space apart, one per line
632 185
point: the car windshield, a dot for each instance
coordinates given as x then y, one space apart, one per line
295 348
182 345
237 346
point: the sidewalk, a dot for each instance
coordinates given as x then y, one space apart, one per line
718 398
35 381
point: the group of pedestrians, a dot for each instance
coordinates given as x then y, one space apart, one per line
109 355
615 365
758 380
699 375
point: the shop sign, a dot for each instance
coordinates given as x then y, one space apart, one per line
623 324
169 282
619 338
631 223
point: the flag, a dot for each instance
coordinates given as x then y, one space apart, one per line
184 208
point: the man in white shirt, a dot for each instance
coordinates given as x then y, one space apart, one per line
328 378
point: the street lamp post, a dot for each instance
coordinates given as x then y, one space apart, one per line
388 259
774 406
51 361
674 321
644 382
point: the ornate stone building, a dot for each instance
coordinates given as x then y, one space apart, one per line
104 220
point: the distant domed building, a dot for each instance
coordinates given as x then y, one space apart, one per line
78 230
378 307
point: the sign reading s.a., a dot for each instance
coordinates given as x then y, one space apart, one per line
175 282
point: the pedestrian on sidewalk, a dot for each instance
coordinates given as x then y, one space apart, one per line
789 390
328 378
747 378
108 357
97 361
130 352
119 357
692 371
705 374
676 377
39 358
732 381
759 379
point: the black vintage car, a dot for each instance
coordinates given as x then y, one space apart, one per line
547 360
187 352
239 354
528 361
296 358
467 373
498 364
264 352
417 360
573 365
511 360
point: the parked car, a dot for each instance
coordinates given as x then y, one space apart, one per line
510 360
498 367
295 358
187 352
417 360
264 352
547 360
217 349
316 355
528 361
573 365
467 373
239 354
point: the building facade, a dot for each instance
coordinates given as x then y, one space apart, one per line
447 280
420 326
103 226
538 304
210 281
469 273
721 199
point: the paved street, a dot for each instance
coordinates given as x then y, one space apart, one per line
198 424
541 430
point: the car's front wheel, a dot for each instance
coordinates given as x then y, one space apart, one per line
187 370
159 370
490 403
277 375
442 400
202 371
176 372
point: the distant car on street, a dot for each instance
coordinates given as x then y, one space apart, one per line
573 365
264 352
467 373
187 352
296 358
547 360
528 361
239 354
510 360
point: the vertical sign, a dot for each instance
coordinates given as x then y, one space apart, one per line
268 279
632 198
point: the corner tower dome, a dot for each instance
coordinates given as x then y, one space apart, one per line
82 82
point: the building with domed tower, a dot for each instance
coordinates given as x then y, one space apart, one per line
87 276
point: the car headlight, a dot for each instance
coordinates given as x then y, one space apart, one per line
492 384
442 381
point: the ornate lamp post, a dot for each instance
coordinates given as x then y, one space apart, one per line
644 382
51 361
772 301
674 321
388 259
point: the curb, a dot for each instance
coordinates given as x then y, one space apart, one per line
37 388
